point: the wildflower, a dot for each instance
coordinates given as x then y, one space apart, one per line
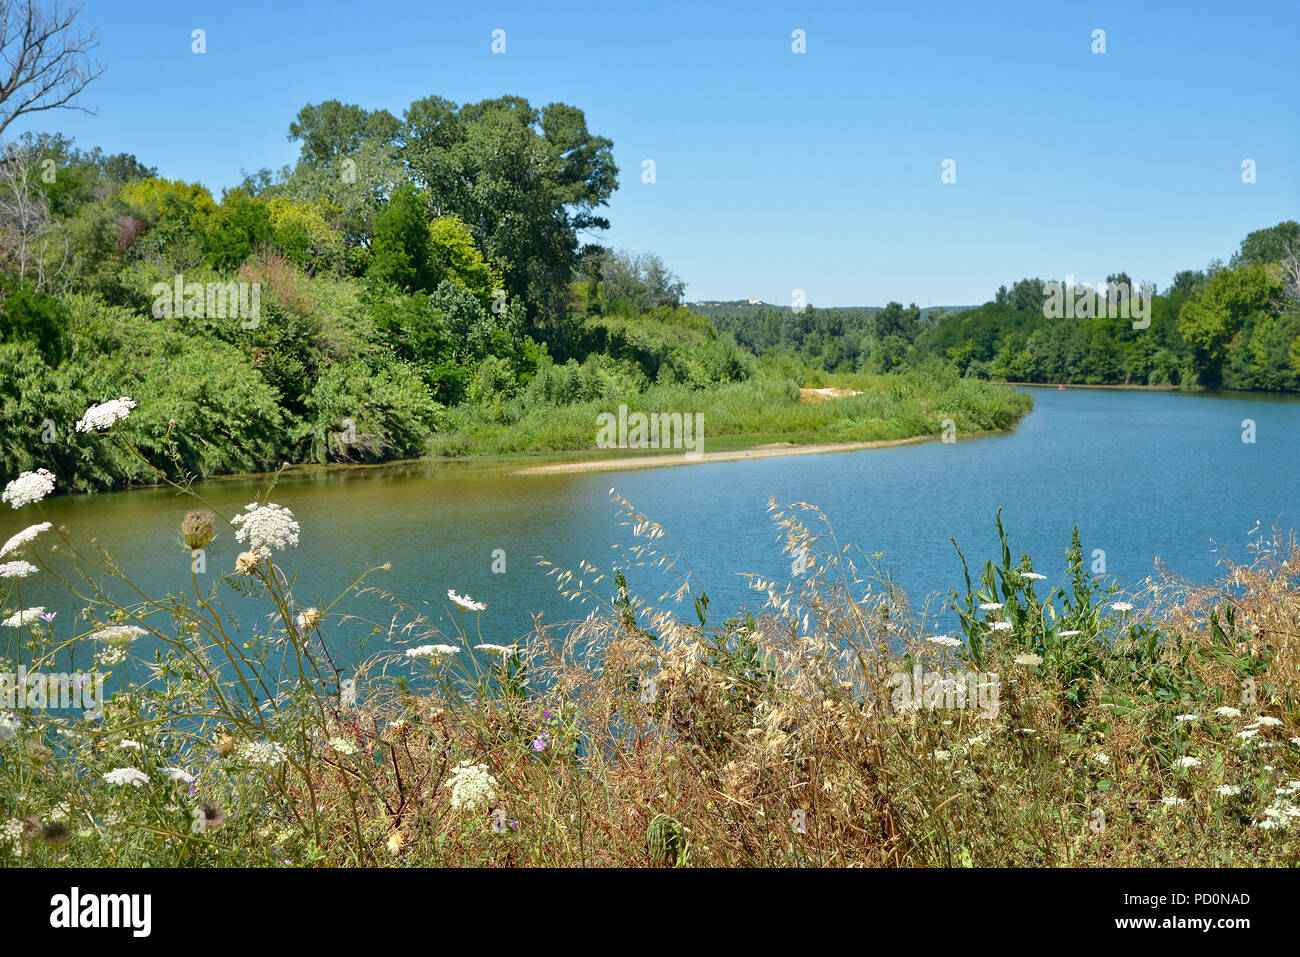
207 818
22 538
49 616
342 746
991 606
177 775
1001 626
1031 660
431 651
247 562
1187 717
265 527
28 488
1268 722
1101 758
1173 801
1069 634
943 755
1121 606
104 416
539 742
504 650
1228 790
464 601
1226 712
261 752
948 641
128 745
198 529
1187 762
1032 576
25 617
19 569
308 619
471 786
395 843
118 634
108 657
1248 733
121 777
8 727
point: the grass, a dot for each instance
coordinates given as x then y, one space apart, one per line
896 406
1075 729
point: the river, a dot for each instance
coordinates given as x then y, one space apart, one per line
1142 474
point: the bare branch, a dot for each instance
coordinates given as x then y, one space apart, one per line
44 60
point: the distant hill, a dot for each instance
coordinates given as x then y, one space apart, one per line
743 307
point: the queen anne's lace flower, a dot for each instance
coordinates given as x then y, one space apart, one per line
25 617
266 526
177 775
1029 659
8 727
948 641
101 417
504 650
262 752
118 634
121 777
23 537
464 601
432 651
28 487
17 569
342 746
1187 762
472 787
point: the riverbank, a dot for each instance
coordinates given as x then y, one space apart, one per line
776 449
1132 387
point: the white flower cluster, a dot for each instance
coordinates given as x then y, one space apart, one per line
432 651
262 752
266 526
177 775
464 601
8 727
29 487
504 650
471 786
118 634
17 569
101 417
948 641
342 746
121 777
25 617
22 538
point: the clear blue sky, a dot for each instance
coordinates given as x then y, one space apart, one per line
778 171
